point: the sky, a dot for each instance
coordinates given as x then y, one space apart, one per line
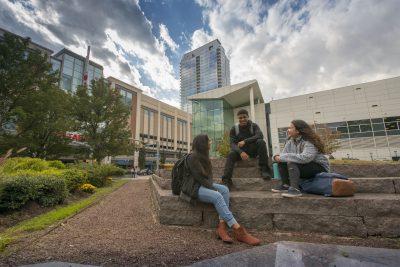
290 47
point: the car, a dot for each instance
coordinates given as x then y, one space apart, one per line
145 172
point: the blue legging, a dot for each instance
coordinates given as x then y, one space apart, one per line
220 200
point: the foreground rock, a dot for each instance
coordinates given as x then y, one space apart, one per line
296 254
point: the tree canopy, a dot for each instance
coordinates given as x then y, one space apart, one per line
102 118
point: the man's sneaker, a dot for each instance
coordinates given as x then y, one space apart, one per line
265 174
280 189
292 192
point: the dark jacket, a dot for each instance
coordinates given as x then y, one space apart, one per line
245 135
193 180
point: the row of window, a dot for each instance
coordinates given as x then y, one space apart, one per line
388 126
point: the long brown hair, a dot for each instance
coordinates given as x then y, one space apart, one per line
201 153
309 135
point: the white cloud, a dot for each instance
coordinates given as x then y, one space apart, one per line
130 53
321 45
164 35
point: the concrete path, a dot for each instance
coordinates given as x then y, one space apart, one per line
295 254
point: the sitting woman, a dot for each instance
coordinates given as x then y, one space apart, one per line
198 185
302 157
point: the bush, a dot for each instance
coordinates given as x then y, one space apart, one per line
50 190
15 192
74 178
15 164
88 188
98 174
57 164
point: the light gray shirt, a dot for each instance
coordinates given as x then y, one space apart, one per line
301 151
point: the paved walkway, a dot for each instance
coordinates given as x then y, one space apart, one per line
121 231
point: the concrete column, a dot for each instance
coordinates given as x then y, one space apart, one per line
253 116
158 134
176 131
188 136
136 135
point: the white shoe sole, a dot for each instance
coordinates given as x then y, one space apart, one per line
290 195
278 191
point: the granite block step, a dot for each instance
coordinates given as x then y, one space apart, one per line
362 215
386 185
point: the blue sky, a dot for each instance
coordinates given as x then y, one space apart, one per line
291 47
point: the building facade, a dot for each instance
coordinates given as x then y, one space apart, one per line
164 130
201 70
214 112
71 68
365 116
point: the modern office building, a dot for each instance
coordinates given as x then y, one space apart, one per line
367 117
214 112
71 69
31 45
201 70
161 128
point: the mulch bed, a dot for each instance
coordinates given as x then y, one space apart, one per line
32 209
121 231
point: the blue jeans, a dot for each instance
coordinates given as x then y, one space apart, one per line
220 200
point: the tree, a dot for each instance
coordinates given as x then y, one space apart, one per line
102 118
224 146
163 157
142 157
31 103
329 138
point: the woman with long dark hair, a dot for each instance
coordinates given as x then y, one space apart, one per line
302 157
198 185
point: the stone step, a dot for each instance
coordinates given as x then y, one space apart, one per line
387 185
362 215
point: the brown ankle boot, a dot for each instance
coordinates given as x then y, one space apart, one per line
222 232
242 236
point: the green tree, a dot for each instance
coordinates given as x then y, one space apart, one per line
163 157
224 146
31 104
102 118
142 157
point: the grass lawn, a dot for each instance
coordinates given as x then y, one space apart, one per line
59 213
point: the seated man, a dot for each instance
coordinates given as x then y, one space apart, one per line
246 141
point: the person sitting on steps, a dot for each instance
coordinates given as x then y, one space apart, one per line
198 185
246 141
303 156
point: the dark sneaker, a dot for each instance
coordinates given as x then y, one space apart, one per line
292 192
227 182
280 189
265 173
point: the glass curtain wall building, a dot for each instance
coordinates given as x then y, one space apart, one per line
203 69
212 117
72 68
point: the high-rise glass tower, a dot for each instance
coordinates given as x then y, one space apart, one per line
203 69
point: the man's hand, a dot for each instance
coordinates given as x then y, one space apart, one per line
241 144
277 158
244 156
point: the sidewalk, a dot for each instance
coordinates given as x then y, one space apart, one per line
121 231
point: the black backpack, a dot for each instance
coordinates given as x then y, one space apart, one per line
178 175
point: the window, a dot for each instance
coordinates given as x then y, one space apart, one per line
391 126
354 129
365 128
392 119
378 126
343 129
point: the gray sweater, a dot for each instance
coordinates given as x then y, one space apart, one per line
301 151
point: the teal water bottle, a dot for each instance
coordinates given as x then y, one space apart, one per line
275 169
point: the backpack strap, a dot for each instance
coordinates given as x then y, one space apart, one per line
236 129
